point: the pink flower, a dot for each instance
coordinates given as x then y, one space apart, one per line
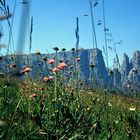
50 77
78 59
62 65
33 95
12 66
51 61
27 69
55 70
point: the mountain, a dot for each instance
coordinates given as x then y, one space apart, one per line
91 68
125 68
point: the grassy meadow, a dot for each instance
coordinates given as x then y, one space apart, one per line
50 109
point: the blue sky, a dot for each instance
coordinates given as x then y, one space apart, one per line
55 23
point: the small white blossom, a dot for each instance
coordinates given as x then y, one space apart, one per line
132 108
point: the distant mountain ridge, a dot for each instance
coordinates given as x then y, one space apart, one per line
91 66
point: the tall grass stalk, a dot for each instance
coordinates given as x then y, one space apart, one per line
30 41
105 37
56 94
106 47
10 30
94 39
115 51
6 11
77 55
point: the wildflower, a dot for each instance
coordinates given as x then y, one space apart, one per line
73 49
82 83
78 59
54 100
62 65
134 70
45 58
42 88
71 66
88 109
90 93
33 95
1 58
92 66
12 65
61 61
2 123
50 77
110 72
70 72
38 53
56 111
132 108
98 99
55 70
42 133
94 125
26 70
116 122
51 61
56 48
109 104
63 49
59 99
47 78
128 86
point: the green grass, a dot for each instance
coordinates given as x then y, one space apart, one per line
86 115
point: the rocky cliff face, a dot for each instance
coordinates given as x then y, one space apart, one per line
134 74
85 65
93 66
130 72
100 70
126 66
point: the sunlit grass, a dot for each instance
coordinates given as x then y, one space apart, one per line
29 111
